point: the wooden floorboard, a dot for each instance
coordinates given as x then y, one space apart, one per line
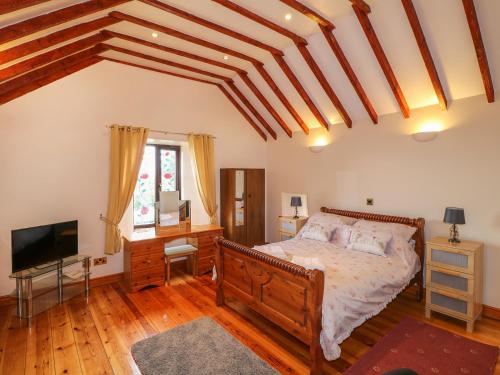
94 336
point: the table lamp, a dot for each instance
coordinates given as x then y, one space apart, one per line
454 216
296 202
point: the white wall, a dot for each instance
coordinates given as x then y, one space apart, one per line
407 178
54 147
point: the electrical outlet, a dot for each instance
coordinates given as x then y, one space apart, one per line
369 201
100 261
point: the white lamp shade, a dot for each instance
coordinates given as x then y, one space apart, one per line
425 136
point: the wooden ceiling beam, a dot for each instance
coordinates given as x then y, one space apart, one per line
13 5
327 27
300 89
482 59
178 75
361 5
251 108
60 16
259 66
353 78
327 88
211 25
277 91
180 35
242 111
425 52
308 12
256 18
244 77
174 51
301 44
47 79
51 56
165 62
46 70
55 38
382 59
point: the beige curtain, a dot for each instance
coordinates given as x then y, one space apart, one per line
201 147
127 149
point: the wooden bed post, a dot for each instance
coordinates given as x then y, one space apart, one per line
315 350
219 301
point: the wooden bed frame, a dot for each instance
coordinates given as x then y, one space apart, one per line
288 294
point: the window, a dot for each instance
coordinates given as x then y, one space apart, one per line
160 171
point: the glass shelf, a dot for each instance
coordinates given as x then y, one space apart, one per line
33 272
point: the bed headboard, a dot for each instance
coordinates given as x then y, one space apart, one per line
418 223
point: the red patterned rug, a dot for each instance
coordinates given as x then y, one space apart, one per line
426 350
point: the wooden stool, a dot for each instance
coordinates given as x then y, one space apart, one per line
180 251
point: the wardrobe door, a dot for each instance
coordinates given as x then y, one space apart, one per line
233 205
255 206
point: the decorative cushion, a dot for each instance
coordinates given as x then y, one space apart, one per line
318 232
174 250
373 242
396 229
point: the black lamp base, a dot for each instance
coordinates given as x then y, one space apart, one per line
296 213
454 234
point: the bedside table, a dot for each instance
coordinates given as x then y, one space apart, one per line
289 227
454 279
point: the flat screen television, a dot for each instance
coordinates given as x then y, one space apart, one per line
43 245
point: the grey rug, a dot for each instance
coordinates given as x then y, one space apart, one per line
200 347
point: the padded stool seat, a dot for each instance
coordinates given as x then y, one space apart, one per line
172 252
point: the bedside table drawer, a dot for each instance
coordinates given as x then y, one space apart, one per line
446 303
453 259
452 281
286 236
289 226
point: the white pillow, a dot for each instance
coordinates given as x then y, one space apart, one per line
318 232
329 219
342 236
396 229
373 242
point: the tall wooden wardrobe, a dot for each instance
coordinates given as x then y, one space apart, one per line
242 196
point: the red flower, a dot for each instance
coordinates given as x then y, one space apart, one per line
144 210
167 176
144 176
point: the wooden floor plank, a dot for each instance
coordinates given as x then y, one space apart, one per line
95 337
15 344
66 360
39 356
90 348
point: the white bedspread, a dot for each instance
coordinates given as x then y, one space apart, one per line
357 285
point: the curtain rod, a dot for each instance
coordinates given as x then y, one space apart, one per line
165 132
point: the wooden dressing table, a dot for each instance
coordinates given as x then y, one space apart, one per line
144 257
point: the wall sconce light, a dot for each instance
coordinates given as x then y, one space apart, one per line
319 145
425 136
428 131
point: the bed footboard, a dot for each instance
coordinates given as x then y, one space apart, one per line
285 293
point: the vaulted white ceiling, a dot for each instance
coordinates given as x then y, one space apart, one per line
443 22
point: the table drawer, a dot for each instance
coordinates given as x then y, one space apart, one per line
141 249
456 282
289 226
205 265
286 236
454 259
448 303
147 262
206 251
150 274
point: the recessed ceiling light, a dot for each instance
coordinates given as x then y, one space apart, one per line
226 57
154 35
288 16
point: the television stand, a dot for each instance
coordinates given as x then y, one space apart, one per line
24 282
